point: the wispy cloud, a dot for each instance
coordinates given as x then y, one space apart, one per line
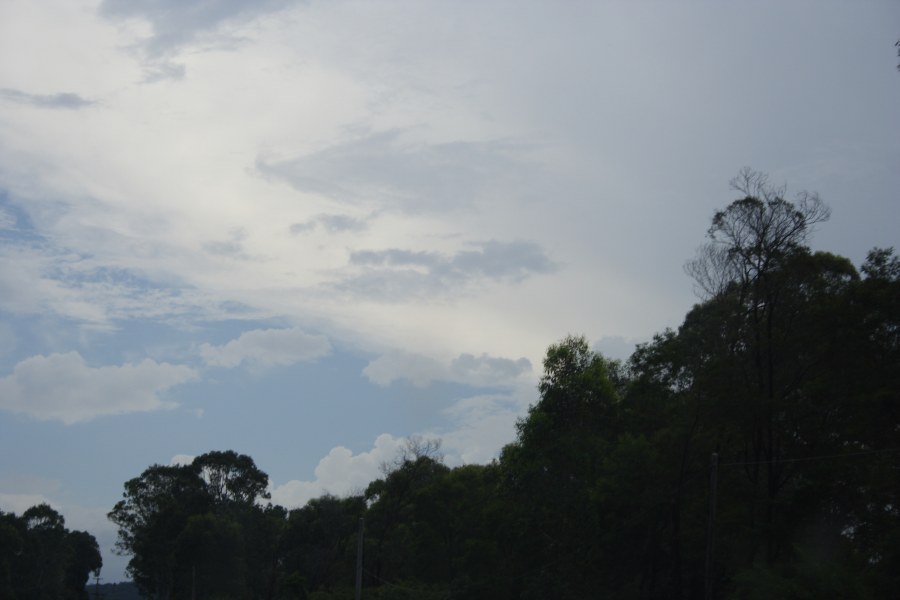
396 274
65 100
267 348
233 247
410 176
420 370
332 223
175 23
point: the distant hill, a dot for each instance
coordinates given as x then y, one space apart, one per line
113 591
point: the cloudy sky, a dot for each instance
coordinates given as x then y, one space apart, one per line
307 230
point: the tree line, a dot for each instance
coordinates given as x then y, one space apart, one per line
787 370
42 560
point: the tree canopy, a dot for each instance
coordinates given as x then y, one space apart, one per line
788 369
42 560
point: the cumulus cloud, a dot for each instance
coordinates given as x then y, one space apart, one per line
182 459
65 100
483 424
418 369
267 348
63 387
340 472
396 274
467 368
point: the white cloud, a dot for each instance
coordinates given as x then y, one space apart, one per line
340 472
420 370
267 348
182 459
63 387
482 425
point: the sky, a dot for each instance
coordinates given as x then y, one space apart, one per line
308 230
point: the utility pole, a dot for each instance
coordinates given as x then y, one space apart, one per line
97 595
359 557
711 525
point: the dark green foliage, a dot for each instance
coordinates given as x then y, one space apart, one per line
318 545
789 370
188 529
42 560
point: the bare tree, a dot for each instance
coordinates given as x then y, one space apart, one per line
753 235
414 447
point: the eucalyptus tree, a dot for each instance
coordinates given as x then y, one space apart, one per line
41 559
187 528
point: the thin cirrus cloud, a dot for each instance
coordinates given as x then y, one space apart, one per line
396 274
64 100
267 348
332 223
483 370
63 387
409 176
232 248
176 25
175 22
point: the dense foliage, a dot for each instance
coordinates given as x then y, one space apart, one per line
788 370
42 560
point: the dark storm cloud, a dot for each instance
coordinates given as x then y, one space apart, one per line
397 274
412 177
64 100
